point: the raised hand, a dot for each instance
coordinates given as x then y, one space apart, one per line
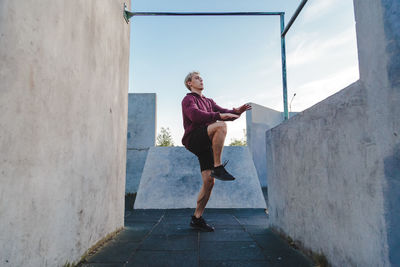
242 108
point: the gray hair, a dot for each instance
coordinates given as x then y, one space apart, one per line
188 78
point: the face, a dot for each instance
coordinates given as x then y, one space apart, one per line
196 82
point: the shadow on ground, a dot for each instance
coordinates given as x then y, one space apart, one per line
164 238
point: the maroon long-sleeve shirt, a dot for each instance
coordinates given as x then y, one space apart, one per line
199 111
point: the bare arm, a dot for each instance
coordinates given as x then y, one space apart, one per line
232 114
228 116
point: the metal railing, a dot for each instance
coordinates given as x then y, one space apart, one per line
293 18
129 14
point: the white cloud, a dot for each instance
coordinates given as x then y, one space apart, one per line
272 98
311 49
313 92
316 8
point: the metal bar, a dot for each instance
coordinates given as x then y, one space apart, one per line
129 14
205 13
296 13
284 83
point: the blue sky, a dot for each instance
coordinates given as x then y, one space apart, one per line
239 58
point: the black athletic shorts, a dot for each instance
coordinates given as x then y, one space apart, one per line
200 145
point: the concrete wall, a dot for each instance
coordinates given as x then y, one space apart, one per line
141 136
171 179
141 120
259 120
63 116
378 36
334 169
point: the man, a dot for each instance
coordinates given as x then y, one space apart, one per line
205 132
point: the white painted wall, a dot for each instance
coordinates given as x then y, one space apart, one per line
63 120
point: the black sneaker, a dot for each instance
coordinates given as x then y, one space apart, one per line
221 174
200 224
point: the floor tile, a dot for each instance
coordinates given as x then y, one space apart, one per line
226 235
179 212
165 238
132 234
114 252
170 242
176 220
257 229
218 211
254 221
278 252
245 213
226 220
249 263
141 223
174 229
144 215
233 250
103 265
164 258
220 227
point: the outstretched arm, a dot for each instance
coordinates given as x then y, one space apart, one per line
233 114
228 116
217 108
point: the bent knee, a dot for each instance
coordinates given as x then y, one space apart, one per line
222 126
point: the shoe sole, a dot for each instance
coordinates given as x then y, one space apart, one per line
201 229
222 179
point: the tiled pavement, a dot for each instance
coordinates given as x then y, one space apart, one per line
164 238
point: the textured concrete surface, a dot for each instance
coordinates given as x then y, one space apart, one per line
259 120
135 160
319 181
384 104
164 238
63 118
171 179
141 121
141 136
333 180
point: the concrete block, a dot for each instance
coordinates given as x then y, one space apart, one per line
140 136
259 120
135 160
141 120
171 179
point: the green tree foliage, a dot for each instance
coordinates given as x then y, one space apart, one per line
239 142
164 138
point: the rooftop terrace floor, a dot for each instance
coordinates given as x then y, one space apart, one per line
164 238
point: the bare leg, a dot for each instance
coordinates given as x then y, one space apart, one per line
205 192
217 133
